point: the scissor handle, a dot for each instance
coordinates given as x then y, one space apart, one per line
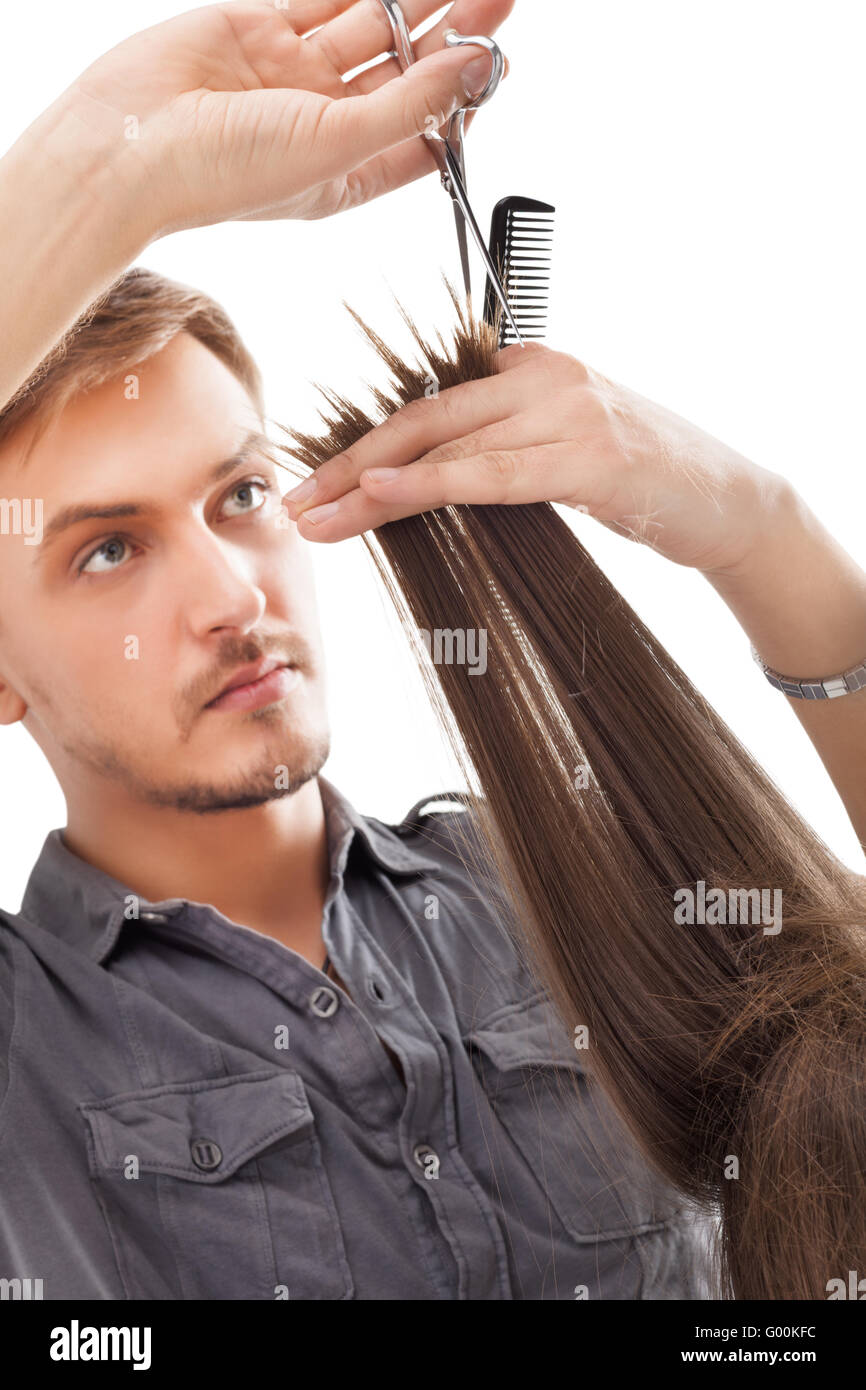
403 50
455 40
405 53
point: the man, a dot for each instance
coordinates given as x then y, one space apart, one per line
252 1044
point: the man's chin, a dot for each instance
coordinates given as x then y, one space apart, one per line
238 793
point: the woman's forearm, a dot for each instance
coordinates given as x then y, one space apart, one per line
802 601
69 227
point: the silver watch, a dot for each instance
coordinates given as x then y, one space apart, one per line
827 689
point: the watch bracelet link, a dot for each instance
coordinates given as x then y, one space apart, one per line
828 688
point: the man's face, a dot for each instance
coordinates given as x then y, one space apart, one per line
117 633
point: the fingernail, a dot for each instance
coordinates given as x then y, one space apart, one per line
475 76
317 514
302 491
382 475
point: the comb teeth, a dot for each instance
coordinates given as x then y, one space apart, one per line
521 245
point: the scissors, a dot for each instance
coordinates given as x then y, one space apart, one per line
448 150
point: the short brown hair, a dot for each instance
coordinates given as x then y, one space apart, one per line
135 318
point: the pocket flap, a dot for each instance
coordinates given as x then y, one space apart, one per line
577 1147
224 1121
526 1032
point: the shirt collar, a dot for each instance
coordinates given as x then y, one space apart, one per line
86 907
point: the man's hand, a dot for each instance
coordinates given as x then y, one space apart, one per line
239 111
548 428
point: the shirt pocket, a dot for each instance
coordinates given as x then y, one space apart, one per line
217 1189
559 1119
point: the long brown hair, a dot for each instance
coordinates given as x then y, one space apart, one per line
736 1055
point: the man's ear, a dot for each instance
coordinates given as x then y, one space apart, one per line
12 707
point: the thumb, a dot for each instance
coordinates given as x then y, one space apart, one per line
417 103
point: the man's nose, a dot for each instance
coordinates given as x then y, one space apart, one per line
218 587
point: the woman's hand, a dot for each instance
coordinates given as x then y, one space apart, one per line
548 428
239 111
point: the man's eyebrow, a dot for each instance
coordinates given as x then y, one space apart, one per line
86 511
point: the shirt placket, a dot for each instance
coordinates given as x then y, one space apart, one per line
427 1127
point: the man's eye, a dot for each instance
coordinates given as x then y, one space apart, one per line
245 491
110 554
110 551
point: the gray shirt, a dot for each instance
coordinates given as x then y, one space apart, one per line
190 1109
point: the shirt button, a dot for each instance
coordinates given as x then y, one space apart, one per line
427 1159
205 1154
324 1002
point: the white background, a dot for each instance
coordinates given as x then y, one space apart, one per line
706 160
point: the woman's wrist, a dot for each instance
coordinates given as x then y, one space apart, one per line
78 167
798 594
75 224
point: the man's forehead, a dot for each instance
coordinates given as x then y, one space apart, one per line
182 406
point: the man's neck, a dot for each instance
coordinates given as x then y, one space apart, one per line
265 867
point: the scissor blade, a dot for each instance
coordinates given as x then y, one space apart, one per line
458 194
456 152
463 243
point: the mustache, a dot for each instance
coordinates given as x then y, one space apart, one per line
288 648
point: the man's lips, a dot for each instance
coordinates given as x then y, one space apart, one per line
254 686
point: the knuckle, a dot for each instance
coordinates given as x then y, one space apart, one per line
462 448
500 466
514 354
401 424
430 477
412 412
438 456
350 462
566 369
535 349
450 403
574 368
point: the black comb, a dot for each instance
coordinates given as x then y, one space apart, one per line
521 245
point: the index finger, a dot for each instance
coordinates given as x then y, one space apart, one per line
408 434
